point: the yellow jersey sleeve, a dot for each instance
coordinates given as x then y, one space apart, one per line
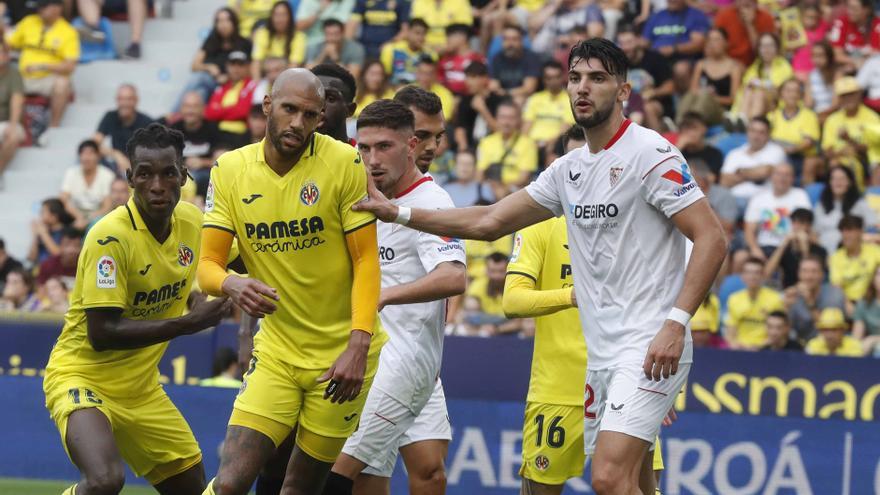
734 310
386 56
104 268
485 152
298 48
217 207
829 134
529 246
261 44
354 190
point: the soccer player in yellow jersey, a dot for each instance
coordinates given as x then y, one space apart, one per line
133 280
314 277
539 284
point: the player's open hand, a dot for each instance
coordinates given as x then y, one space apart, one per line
671 417
252 296
665 351
206 314
376 202
346 376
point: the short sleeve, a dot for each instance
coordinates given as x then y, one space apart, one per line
16 38
530 112
545 190
529 247
354 189
733 312
103 269
670 186
434 250
105 127
217 207
529 158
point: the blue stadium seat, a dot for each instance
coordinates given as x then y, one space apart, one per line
729 285
814 191
91 51
729 142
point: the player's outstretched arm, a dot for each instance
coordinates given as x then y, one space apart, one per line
522 300
699 224
476 222
448 279
108 330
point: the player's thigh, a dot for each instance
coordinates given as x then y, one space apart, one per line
553 443
307 470
383 422
190 481
84 420
425 444
271 398
369 484
245 451
154 438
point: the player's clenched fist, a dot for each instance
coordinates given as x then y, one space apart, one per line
205 314
252 296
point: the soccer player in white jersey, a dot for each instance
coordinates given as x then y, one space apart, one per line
406 408
630 203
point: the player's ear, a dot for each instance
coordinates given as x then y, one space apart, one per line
624 92
128 177
411 143
267 105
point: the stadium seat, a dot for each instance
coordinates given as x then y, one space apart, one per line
90 51
727 143
814 191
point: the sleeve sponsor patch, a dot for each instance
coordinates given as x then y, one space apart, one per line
106 273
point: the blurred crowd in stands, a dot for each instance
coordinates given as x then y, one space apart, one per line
772 102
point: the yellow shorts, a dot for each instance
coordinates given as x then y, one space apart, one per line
553 444
151 434
276 396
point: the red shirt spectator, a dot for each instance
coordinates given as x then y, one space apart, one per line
732 20
458 56
230 104
855 34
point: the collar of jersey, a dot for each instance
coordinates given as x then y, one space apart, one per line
261 155
137 222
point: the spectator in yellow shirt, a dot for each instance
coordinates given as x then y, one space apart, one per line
507 157
547 114
278 38
249 13
833 339
796 128
483 310
426 78
843 136
852 266
439 14
49 48
747 309
400 58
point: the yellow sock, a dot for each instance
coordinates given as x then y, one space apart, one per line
210 489
70 491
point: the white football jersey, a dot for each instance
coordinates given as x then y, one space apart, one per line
410 362
627 255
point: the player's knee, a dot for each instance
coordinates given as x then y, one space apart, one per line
108 481
224 485
433 476
608 478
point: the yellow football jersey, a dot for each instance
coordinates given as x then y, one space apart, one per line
291 234
749 315
854 275
540 252
123 266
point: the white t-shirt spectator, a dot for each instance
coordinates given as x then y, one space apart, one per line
740 159
773 213
869 77
87 198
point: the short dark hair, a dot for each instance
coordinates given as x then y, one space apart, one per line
223 359
256 110
802 215
458 28
552 64
476 68
329 69
424 101
88 143
154 136
814 258
515 27
627 28
692 119
762 119
387 114
574 133
332 22
753 260
426 59
779 314
56 207
71 233
418 21
851 222
497 257
610 55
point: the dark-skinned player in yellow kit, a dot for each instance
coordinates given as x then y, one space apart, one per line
314 279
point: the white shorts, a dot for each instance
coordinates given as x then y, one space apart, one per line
621 399
386 425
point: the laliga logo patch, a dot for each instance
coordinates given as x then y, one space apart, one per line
542 462
309 194
184 255
517 247
209 197
106 275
